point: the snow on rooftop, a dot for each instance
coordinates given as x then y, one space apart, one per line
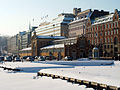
54 46
103 19
78 20
26 49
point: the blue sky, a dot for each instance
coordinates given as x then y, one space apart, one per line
15 15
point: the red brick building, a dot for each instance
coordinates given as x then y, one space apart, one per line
78 26
104 33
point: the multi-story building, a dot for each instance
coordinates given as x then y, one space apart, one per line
3 45
42 41
12 45
24 38
57 27
78 26
103 32
76 47
21 40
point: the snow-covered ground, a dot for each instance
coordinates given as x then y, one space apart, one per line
103 74
24 80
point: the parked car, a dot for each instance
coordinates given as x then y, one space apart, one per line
8 58
1 58
25 57
17 59
41 58
30 58
68 58
83 59
50 57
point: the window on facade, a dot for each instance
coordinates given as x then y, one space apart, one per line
111 25
105 46
105 33
114 31
97 27
93 28
100 40
115 40
108 25
117 31
111 39
111 46
105 26
111 32
96 34
92 42
108 33
108 40
117 24
108 46
105 40
88 41
116 49
62 50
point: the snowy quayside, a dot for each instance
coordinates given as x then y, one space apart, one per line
103 72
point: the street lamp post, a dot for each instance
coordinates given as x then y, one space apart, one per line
54 38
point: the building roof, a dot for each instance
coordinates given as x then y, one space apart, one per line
66 39
103 19
26 49
51 37
78 20
53 46
22 33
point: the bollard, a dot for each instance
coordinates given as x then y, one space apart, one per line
78 81
86 83
44 74
72 79
94 85
61 77
100 86
41 74
66 78
48 75
112 88
55 76
103 86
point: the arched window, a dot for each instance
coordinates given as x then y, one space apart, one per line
115 40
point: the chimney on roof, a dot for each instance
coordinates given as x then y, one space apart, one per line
76 11
102 10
